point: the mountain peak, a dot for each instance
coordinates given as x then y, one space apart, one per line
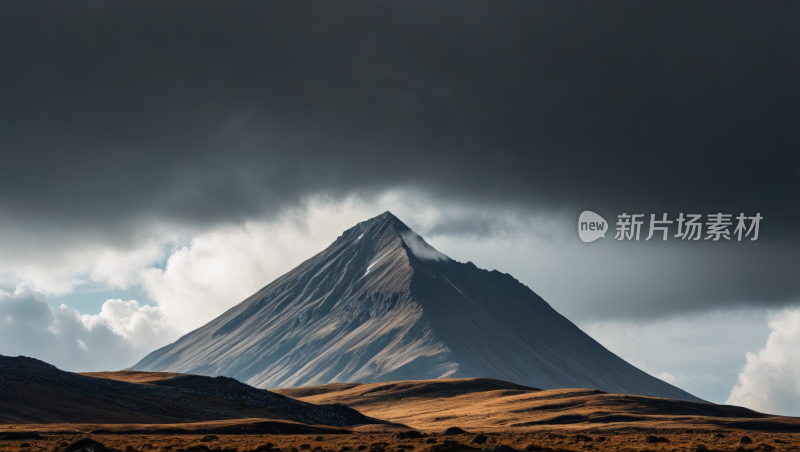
375 224
381 304
386 226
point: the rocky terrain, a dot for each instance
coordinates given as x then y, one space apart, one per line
453 439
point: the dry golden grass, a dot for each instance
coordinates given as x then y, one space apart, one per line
132 376
486 404
503 414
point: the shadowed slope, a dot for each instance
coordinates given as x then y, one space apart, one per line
399 390
32 391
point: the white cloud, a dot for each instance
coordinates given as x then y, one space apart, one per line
144 327
120 269
770 381
701 354
57 336
421 248
116 338
222 267
668 377
62 272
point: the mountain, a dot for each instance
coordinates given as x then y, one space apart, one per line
381 304
32 391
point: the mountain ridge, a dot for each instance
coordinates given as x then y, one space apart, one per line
382 304
33 391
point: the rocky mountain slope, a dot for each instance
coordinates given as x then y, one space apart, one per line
381 304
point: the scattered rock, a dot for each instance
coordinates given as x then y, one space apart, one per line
198 448
745 440
20 435
209 438
701 448
308 446
23 445
766 446
533 448
656 439
453 431
479 439
361 447
413 434
600 439
689 431
319 438
378 447
344 449
450 446
86 445
504 448
719 435
583 438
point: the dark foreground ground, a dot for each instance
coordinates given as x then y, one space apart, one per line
155 412
521 440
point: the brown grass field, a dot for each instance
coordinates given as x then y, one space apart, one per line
492 413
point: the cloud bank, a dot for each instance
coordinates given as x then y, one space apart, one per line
115 338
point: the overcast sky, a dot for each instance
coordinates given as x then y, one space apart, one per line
162 163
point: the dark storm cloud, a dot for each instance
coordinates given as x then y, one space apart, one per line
119 112
114 115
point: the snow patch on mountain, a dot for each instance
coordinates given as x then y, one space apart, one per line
377 260
459 290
